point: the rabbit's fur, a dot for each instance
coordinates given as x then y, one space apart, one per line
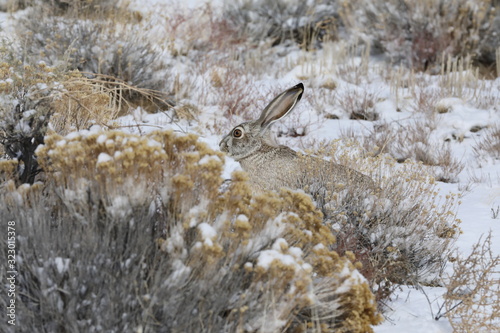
271 166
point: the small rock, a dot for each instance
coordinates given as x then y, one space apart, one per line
476 128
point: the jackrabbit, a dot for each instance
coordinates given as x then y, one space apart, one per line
271 166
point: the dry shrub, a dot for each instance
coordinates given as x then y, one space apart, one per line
419 32
353 62
8 170
412 141
24 112
421 89
80 105
85 9
359 105
233 91
472 299
183 36
489 144
307 23
99 99
37 97
403 234
80 8
458 78
137 236
226 87
14 5
98 46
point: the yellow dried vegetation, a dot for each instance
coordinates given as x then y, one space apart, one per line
72 101
271 250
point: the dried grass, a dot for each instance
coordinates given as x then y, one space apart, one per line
358 104
489 144
472 301
412 141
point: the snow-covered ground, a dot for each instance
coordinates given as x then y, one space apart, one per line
411 310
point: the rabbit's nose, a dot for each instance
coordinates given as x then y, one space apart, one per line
223 146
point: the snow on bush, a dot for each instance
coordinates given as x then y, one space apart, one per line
132 233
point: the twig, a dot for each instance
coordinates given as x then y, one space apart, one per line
427 297
439 315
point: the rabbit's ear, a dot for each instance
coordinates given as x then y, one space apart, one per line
280 106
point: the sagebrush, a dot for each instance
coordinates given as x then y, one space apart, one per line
138 236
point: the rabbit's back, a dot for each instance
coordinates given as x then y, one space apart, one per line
272 168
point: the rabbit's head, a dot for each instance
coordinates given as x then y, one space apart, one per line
247 138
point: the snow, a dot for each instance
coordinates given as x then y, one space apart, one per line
281 253
477 220
103 158
195 213
267 257
101 139
73 135
153 143
411 312
318 247
28 113
207 159
120 207
296 252
207 231
62 264
181 272
242 218
23 127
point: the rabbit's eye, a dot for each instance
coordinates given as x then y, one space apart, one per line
237 133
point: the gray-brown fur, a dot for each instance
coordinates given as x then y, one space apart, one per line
272 166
